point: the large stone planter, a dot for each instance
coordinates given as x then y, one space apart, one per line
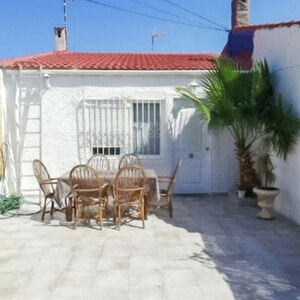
266 198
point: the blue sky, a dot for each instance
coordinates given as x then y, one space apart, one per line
27 25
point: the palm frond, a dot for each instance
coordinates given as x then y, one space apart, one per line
265 169
283 128
246 103
201 106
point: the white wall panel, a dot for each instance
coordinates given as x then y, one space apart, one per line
62 120
281 48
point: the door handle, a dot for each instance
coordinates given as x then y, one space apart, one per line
191 155
207 149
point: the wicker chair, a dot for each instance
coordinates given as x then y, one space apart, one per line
46 184
129 159
86 187
166 195
99 162
128 191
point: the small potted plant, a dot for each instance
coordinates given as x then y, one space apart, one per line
241 189
266 193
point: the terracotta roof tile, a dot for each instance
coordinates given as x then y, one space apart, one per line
112 61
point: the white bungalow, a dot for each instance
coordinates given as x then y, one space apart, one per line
61 107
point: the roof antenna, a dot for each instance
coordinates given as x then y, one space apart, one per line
66 21
155 35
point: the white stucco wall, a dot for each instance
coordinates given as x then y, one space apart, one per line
9 92
59 103
281 48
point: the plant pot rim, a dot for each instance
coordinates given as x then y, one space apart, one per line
271 188
267 191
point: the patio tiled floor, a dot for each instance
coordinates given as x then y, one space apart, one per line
212 249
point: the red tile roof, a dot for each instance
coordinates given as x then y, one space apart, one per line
266 26
112 61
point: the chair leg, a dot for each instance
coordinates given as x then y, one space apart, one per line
75 209
170 206
106 209
76 216
114 213
119 216
143 214
52 208
100 217
146 207
44 209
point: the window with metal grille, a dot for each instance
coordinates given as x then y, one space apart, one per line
106 150
117 127
146 128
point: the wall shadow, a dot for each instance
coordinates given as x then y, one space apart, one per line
256 259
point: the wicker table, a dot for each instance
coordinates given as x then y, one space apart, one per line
63 188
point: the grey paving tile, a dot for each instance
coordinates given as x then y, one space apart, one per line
108 263
113 293
146 277
75 279
211 249
177 277
71 292
146 293
83 263
145 262
189 292
111 279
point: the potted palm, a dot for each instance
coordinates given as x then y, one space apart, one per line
247 106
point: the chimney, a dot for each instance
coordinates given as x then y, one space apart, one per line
60 39
240 13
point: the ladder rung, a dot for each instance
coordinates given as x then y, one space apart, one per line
33 197
28 104
26 161
30 147
30 190
30 132
33 118
27 175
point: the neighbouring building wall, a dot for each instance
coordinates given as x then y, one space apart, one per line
49 118
281 48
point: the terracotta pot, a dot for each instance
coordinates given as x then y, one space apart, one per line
266 198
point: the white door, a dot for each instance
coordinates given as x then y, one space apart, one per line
192 146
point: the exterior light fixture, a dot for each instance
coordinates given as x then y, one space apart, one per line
193 85
47 80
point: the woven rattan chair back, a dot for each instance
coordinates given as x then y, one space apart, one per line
99 162
128 190
129 159
42 175
85 183
173 178
86 188
129 184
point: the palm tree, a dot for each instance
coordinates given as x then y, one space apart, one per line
246 104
